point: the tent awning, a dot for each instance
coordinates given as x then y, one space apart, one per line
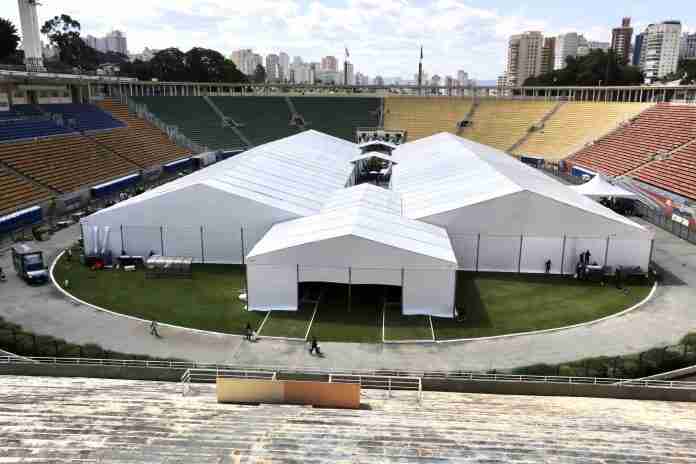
599 187
373 154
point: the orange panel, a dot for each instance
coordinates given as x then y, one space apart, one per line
332 395
249 391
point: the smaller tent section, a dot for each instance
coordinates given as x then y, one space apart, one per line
354 246
599 187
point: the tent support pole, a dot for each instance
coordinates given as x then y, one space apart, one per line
478 248
241 229
652 249
519 256
123 244
402 289
350 288
563 255
202 247
606 251
162 239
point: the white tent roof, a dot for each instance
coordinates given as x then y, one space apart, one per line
364 222
372 154
600 187
366 195
444 172
294 174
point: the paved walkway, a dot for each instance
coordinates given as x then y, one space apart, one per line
664 320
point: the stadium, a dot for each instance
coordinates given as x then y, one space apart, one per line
493 274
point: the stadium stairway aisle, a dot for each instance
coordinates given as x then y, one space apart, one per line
338 116
261 119
424 116
576 124
94 420
194 118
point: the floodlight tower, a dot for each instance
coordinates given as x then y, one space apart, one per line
31 40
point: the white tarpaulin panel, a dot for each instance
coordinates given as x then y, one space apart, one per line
222 245
429 292
465 247
272 288
337 275
628 253
499 254
537 250
183 241
575 246
375 276
140 241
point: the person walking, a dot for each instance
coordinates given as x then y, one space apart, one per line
153 329
315 347
248 332
547 265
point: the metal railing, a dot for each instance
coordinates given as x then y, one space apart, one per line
308 370
377 382
195 375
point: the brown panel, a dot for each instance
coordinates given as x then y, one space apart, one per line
249 391
333 395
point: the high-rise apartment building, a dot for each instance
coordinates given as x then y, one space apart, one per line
114 41
524 57
548 54
284 62
462 78
566 45
660 50
687 47
272 67
621 41
349 74
638 49
329 63
242 59
586 46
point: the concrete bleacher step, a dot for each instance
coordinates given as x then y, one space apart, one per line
86 420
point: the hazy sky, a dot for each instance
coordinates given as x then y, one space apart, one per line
383 36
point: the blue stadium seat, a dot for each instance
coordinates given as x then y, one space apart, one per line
30 127
83 117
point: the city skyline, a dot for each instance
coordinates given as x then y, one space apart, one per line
383 37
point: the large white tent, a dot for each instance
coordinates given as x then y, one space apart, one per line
360 238
288 208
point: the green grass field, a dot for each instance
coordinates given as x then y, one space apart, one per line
291 324
208 301
399 327
494 304
497 304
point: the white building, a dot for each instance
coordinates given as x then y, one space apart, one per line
350 71
146 55
687 46
288 210
463 78
301 73
272 67
115 41
284 62
329 63
566 45
524 57
246 60
660 50
587 46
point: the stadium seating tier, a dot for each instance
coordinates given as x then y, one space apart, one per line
16 192
424 116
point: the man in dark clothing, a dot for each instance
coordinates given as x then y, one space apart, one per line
315 347
617 276
548 266
587 257
247 331
153 329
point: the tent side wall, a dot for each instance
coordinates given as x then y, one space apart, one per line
428 283
520 232
208 225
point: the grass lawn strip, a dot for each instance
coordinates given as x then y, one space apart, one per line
208 301
290 324
398 327
503 304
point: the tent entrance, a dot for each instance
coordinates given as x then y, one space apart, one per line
340 298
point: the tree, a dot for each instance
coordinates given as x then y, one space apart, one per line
259 74
205 65
169 65
232 74
598 67
9 38
64 32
